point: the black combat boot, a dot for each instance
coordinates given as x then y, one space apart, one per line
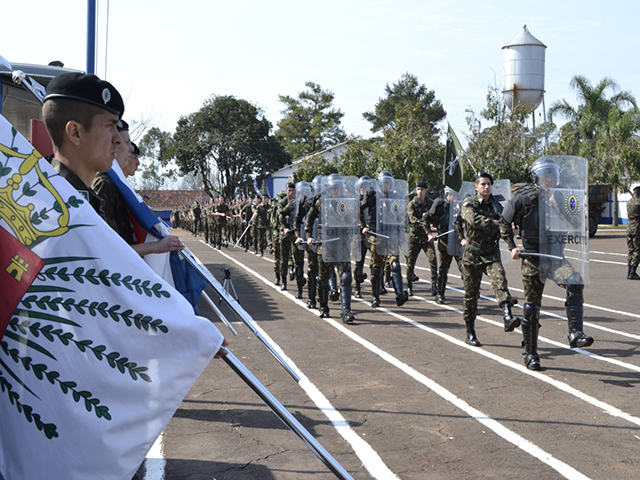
409 287
312 288
415 278
631 273
346 315
292 273
277 282
510 322
262 252
334 294
575 309
300 287
530 327
442 286
471 335
376 282
396 272
283 276
323 297
356 291
434 286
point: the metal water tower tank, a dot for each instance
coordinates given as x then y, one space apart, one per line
523 71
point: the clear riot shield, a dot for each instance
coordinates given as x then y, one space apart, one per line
501 191
303 192
454 247
393 221
340 219
564 222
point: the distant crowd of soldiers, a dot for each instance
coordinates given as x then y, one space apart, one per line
334 221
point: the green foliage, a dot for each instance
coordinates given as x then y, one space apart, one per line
227 141
156 149
407 92
603 129
310 122
502 148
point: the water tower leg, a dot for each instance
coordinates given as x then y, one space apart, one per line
535 137
546 132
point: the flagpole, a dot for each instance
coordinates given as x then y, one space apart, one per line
286 417
237 309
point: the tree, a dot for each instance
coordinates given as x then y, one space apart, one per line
602 129
503 148
310 122
227 141
155 172
407 91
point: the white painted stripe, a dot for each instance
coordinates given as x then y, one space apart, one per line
369 457
609 253
155 463
503 432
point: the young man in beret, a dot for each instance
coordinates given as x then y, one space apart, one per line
81 113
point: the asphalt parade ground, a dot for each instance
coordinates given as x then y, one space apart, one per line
397 394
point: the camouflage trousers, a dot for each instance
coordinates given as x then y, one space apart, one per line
416 246
219 232
259 237
378 261
327 268
533 285
633 243
312 258
276 255
472 280
289 249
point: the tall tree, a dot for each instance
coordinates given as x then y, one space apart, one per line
407 92
503 147
310 122
603 129
227 141
155 172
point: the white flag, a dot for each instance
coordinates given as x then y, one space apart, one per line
98 351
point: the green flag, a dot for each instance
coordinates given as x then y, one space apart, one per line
452 165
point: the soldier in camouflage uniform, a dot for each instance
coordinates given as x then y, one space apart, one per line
275 228
421 237
260 224
439 218
522 211
633 234
312 256
480 219
286 214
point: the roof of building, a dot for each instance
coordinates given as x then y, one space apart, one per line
168 199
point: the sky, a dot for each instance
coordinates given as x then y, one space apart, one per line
167 57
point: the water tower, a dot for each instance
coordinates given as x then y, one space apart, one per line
523 66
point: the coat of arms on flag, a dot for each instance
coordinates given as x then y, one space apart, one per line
98 351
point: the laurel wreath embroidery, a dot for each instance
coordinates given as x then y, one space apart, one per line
35 324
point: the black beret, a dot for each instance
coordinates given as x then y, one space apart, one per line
86 88
422 184
485 175
636 191
122 126
136 149
291 185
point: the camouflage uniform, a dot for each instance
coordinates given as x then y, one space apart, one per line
275 228
220 226
326 269
523 211
288 247
312 257
260 228
633 235
439 217
480 219
419 241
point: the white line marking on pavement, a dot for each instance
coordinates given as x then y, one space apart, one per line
155 463
369 457
562 468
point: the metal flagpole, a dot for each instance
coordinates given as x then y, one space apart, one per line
286 417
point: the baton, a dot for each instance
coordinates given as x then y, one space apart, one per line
320 242
378 234
533 254
286 417
237 309
248 227
445 233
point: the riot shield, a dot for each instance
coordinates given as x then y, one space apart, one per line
340 219
564 222
393 223
501 191
454 247
303 192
